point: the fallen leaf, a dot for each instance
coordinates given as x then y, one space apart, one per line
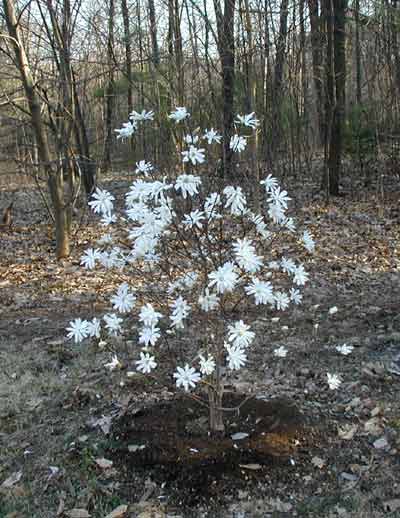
77 513
347 432
392 505
119 511
253 467
13 479
239 436
318 462
381 443
104 463
373 426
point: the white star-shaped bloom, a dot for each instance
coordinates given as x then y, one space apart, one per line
102 201
207 365
186 377
179 114
146 363
240 335
123 301
89 258
78 330
334 381
238 143
248 120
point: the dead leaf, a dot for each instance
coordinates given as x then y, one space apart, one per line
239 436
13 479
119 511
104 463
318 462
77 513
253 467
373 426
381 443
392 505
347 432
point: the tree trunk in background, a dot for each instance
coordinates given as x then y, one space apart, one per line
128 53
110 88
336 89
357 51
54 177
278 133
226 45
317 45
153 34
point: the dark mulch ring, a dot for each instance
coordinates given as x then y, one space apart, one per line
171 440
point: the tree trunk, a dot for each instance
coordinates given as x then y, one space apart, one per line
153 34
54 177
128 53
278 75
316 51
110 88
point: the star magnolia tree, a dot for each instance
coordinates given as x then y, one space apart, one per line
200 262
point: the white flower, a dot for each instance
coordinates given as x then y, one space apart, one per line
262 291
146 363
194 155
187 184
88 260
240 335
113 323
186 377
143 167
94 328
344 349
179 114
114 363
276 212
181 310
191 139
278 197
102 202
281 300
236 357
308 241
194 219
280 352
211 205
212 136
207 366
274 265
246 256
108 219
208 301
300 276
149 316
142 116
288 265
295 296
334 381
78 330
333 310
123 301
270 183
236 200
289 223
248 120
238 143
149 335
224 279
127 130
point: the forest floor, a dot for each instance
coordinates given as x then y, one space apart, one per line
62 411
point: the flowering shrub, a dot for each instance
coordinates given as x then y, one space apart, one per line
205 260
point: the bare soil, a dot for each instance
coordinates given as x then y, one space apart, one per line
72 433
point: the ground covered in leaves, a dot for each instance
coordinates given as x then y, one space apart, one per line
68 446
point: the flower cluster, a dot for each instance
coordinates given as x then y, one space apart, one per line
209 251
